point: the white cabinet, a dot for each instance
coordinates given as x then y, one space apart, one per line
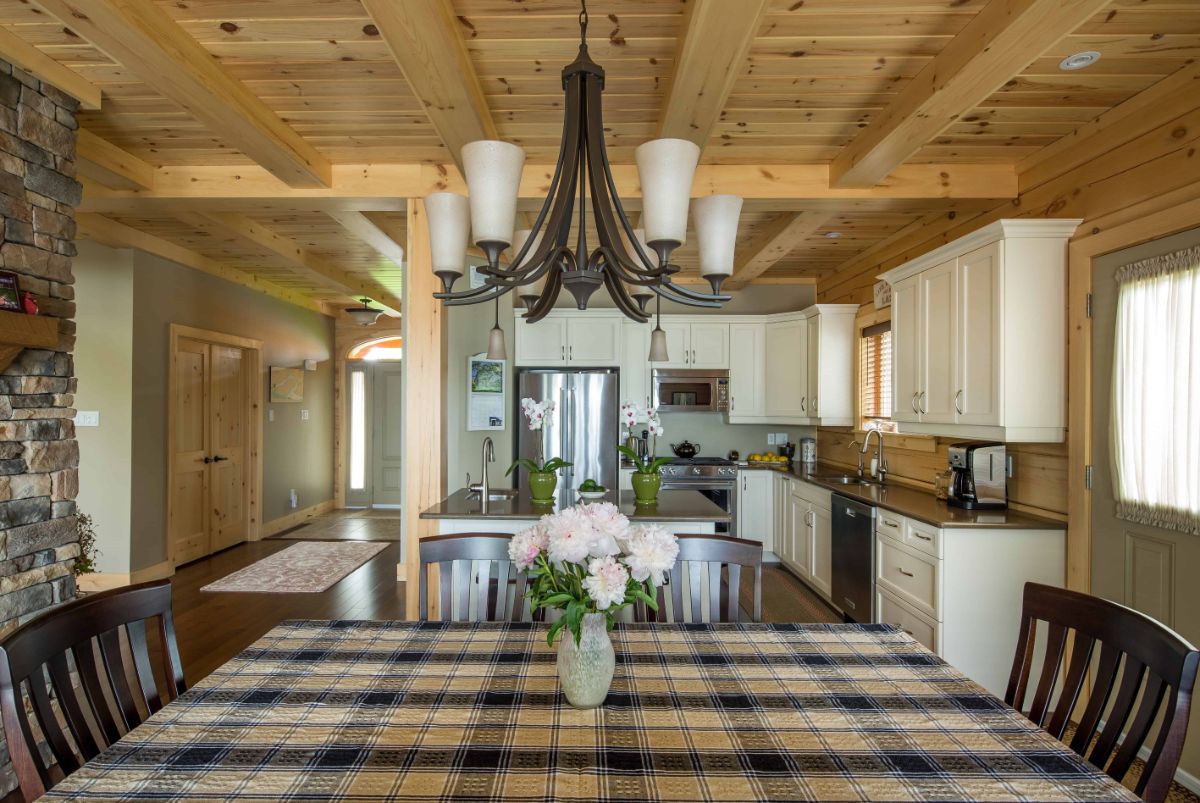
635 367
756 507
695 344
799 535
679 347
978 334
821 527
587 339
810 366
747 383
958 590
787 371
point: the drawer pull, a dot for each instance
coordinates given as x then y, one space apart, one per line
923 537
903 572
891 524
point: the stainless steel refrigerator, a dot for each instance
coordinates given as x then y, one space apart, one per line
584 429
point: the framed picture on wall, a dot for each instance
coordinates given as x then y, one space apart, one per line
485 393
10 292
287 385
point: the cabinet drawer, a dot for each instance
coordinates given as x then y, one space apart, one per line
890 524
909 574
923 537
892 611
813 494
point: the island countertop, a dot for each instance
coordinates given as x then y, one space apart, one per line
673 506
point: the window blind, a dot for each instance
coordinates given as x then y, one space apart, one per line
875 373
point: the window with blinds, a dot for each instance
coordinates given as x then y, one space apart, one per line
875 377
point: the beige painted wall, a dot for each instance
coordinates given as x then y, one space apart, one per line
296 454
104 365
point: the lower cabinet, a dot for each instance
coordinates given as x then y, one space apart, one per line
756 508
804 534
821 536
957 590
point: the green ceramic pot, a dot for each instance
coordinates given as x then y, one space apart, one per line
541 486
645 487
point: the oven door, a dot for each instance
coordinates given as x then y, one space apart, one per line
722 494
684 391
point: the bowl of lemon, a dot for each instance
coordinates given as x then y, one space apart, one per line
767 459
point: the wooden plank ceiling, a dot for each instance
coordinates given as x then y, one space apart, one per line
811 80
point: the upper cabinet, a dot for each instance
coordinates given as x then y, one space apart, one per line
569 338
809 367
747 361
979 335
695 344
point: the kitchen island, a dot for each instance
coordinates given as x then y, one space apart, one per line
682 511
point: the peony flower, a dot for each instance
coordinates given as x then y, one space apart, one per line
609 526
650 552
526 545
570 535
606 582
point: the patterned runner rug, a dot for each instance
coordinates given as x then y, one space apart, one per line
305 568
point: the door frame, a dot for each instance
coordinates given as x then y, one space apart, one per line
1153 219
254 440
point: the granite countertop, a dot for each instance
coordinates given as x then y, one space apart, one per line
672 506
914 503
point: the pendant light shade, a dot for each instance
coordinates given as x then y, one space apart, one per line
716 218
449 217
496 349
493 171
666 168
366 315
658 345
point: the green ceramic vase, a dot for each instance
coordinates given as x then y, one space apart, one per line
541 487
645 487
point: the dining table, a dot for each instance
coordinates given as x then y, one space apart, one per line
435 711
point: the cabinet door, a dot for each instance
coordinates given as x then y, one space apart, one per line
906 348
812 373
782 538
938 334
798 518
976 395
746 360
786 369
755 519
709 343
678 345
822 550
635 368
541 343
594 341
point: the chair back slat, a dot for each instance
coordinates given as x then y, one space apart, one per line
1145 673
717 560
35 660
474 554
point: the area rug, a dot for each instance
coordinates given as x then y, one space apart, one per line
306 568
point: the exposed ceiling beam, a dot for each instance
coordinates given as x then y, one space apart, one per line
102 161
709 59
114 234
775 242
17 51
1003 39
424 38
383 187
366 230
294 255
142 38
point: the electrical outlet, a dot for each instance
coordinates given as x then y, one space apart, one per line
770 439
87 418
293 499
304 415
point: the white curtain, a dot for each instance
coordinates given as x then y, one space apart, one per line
1156 392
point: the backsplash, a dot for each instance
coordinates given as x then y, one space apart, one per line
716 437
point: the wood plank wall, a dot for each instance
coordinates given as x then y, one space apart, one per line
1153 154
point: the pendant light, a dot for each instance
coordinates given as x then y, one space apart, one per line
366 315
716 219
496 349
658 338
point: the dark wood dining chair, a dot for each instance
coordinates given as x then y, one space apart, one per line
714 555
117 687
475 553
1132 647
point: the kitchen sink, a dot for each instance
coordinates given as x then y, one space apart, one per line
497 494
845 479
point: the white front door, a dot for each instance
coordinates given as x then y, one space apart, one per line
374 434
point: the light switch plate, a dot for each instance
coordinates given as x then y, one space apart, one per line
270 414
304 415
771 439
87 418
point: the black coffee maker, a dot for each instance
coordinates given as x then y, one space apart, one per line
980 475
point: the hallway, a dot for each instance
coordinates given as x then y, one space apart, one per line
370 524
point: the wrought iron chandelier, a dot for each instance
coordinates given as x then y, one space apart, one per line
632 265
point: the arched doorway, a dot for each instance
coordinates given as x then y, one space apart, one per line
374 427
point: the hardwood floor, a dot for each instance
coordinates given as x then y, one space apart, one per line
347 525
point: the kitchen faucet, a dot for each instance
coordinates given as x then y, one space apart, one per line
482 487
880 460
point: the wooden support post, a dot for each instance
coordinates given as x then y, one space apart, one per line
424 413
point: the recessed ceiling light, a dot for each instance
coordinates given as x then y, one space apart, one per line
1077 61
833 235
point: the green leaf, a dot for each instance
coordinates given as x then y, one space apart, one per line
658 463
554 628
638 465
525 463
555 599
554 464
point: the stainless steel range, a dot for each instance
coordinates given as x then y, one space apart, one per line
715 477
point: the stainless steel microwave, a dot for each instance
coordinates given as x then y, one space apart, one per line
679 390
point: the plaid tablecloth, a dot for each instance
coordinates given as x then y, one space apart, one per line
350 710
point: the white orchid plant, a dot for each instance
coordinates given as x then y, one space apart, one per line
536 412
590 559
630 413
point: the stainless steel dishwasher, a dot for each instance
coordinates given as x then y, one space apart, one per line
854 559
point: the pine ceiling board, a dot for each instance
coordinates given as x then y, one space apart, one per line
967 153
618 83
1126 65
183 10
316 71
1169 45
1118 20
533 64
563 51
605 24
801 8
897 22
817 85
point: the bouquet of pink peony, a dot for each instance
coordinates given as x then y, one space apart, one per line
590 559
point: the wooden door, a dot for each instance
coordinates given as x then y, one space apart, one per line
210 464
229 410
906 349
938 344
977 390
189 524
387 427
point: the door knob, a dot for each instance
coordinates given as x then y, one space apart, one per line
207 460
218 458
